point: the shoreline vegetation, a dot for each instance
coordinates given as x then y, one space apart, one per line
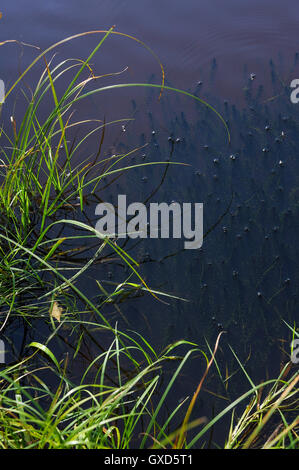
118 401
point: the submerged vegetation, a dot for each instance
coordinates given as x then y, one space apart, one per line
47 244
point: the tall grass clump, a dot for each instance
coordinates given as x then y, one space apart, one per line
43 186
120 398
87 415
50 411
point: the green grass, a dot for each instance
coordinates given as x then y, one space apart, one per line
34 413
87 415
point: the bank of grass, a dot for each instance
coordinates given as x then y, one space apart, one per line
40 406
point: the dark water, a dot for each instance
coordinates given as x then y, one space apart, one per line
245 278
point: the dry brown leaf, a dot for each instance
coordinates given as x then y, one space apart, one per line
55 311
